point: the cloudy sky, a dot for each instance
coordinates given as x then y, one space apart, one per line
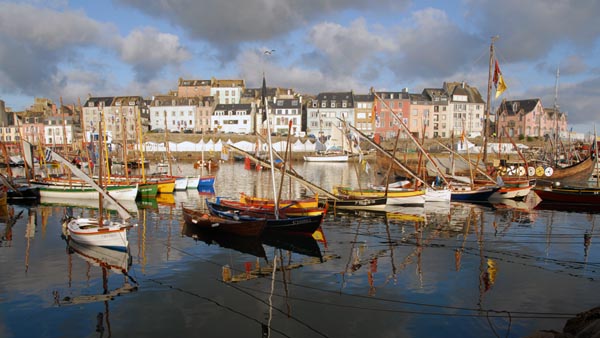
69 49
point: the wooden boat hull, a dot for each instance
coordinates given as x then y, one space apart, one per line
303 224
258 201
23 194
578 173
206 181
508 192
350 203
481 194
192 182
181 183
148 190
394 196
119 192
87 231
268 210
166 187
201 220
576 195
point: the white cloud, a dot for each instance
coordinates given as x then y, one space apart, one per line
150 51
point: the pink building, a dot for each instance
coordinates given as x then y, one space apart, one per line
394 103
529 118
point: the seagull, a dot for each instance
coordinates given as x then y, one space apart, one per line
269 52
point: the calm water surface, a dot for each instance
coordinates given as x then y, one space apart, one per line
465 270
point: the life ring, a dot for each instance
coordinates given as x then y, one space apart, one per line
521 171
531 171
549 171
539 171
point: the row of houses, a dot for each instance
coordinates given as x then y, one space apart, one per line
227 106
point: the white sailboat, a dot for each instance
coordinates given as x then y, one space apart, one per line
336 149
97 231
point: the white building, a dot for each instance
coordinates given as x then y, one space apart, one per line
227 91
172 113
234 118
284 111
328 110
466 109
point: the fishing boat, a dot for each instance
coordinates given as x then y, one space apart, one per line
469 193
261 210
513 188
85 191
206 181
343 202
511 192
96 231
569 194
326 157
107 234
275 222
309 202
336 149
192 181
19 193
240 227
576 173
395 196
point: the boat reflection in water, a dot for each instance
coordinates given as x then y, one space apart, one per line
109 261
298 243
130 206
245 244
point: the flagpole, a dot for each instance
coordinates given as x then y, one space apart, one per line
487 110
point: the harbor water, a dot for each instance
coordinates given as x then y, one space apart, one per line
502 269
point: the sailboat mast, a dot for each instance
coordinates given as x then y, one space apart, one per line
100 172
265 102
167 145
486 130
555 152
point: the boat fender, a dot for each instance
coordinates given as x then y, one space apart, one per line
539 171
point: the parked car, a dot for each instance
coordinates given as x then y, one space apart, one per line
188 131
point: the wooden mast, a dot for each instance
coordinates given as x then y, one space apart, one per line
100 164
486 130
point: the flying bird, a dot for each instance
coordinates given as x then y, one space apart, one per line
269 52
